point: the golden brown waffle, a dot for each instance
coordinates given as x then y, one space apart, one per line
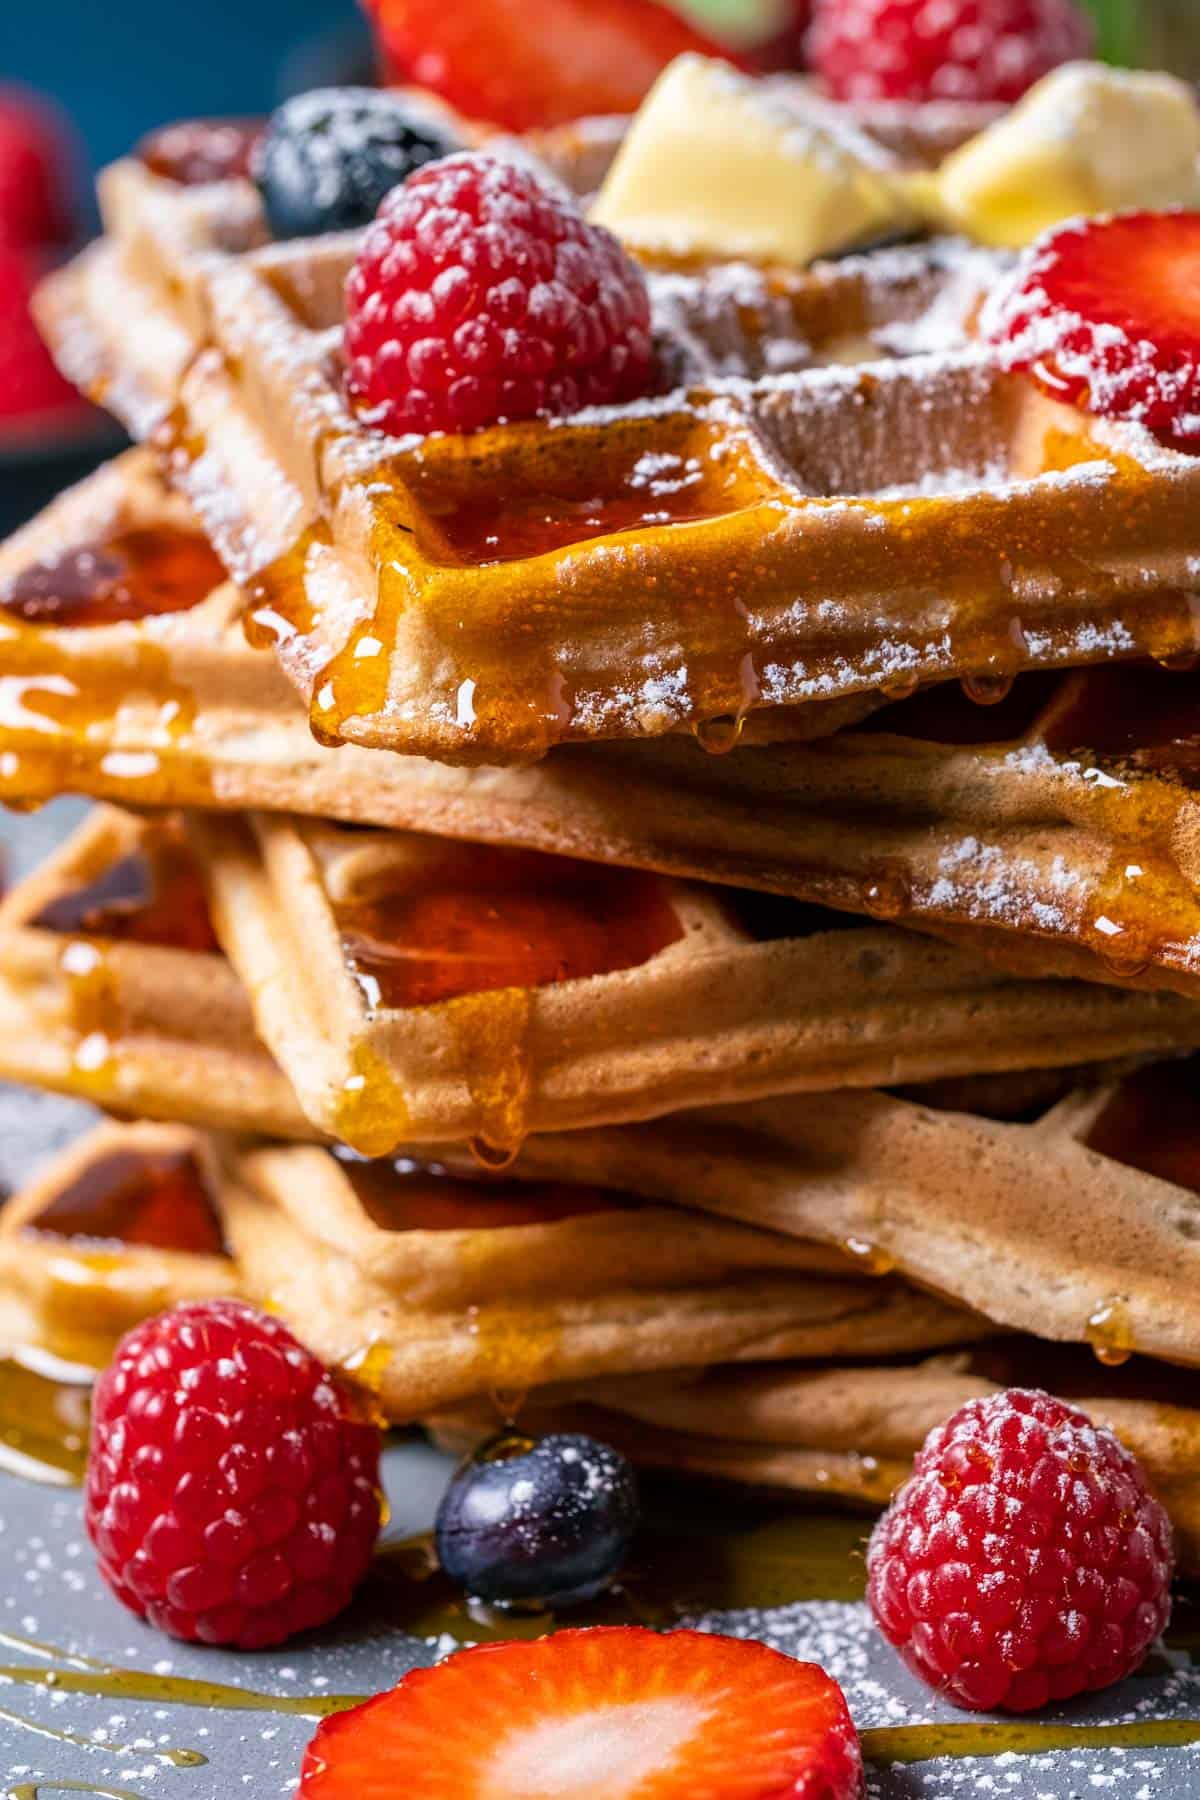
853 1431
1079 1222
397 580
874 508
417 990
113 987
124 1223
125 674
1012 824
434 1290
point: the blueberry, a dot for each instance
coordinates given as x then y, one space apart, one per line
546 1523
326 159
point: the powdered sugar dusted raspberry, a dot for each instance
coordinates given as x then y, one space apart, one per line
482 294
1105 313
232 1490
986 50
1025 1560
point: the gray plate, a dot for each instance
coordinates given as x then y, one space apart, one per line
50 1594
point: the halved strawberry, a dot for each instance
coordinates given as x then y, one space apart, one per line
1105 313
529 63
611 1713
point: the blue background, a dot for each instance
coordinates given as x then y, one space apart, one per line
120 67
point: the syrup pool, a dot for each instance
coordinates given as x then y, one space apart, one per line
496 919
138 573
151 895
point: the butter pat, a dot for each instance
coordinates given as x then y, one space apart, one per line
1085 139
718 165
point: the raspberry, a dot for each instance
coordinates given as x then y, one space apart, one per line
482 294
36 172
232 1488
942 49
1105 313
1025 1559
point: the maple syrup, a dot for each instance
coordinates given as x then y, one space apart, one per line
152 895
196 151
534 507
887 894
139 573
43 1424
501 919
158 1199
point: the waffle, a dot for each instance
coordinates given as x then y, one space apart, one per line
826 484
113 988
418 990
434 1291
1010 824
124 1223
852 1431
927 463
125 674
1082 1221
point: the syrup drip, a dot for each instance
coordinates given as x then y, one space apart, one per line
499 919
136 574
888 893
34 1790
987 690
43 1426
492 1032
371 1112
1109 1331
70 1673
892 1744
869 1257
720 735
176 1759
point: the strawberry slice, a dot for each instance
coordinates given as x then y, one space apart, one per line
1105 313
611 1713
523 64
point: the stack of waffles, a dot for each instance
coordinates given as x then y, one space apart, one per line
682 917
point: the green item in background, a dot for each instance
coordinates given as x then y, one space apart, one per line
740 22
1119 33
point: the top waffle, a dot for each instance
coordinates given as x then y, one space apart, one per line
877 508
923 517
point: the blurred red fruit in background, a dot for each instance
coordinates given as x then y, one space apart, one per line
31 388
523 64
37 172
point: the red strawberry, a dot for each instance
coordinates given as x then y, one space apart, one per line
529 63
36 166
951 50
616 1710
1105 313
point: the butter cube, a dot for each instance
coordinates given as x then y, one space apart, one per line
717 164
1085 139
